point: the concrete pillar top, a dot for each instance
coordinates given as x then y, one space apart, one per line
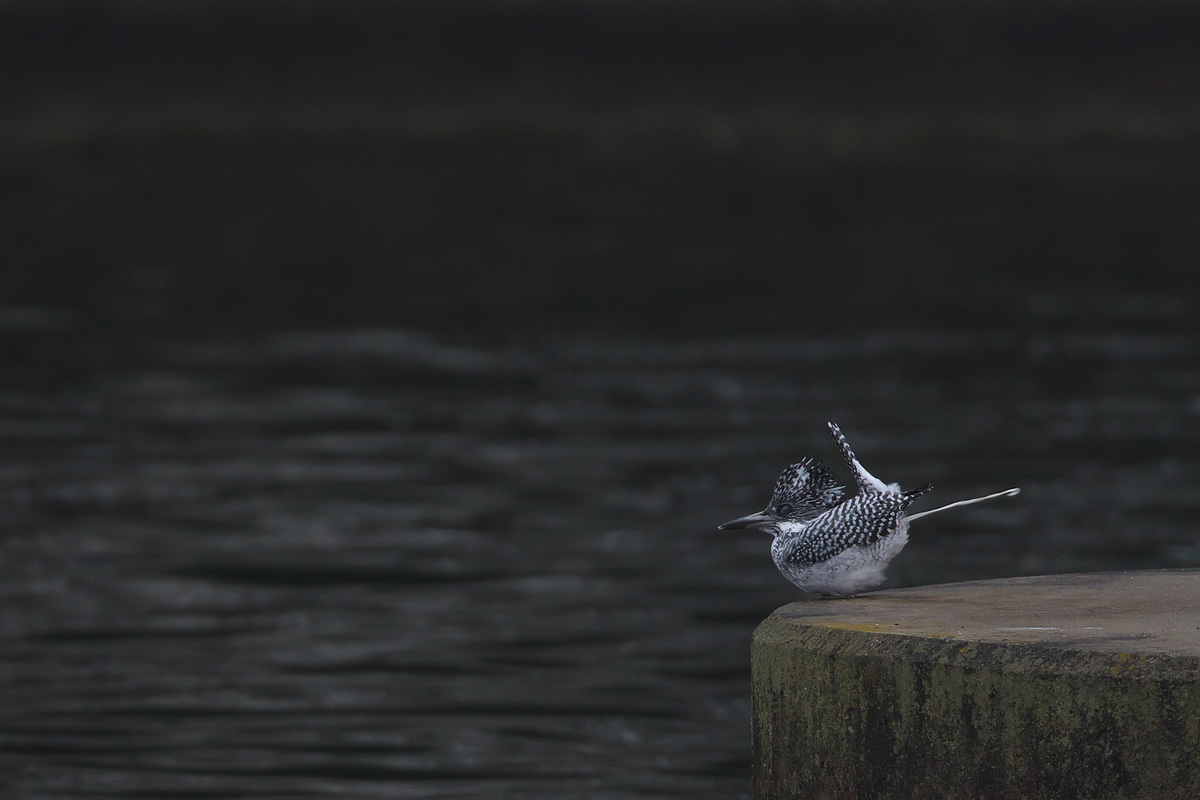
1045 688
1147 611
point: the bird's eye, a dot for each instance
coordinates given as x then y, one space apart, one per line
784 509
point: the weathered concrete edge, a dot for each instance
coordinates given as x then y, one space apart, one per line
1049 658
845 713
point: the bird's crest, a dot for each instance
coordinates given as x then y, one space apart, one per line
808 487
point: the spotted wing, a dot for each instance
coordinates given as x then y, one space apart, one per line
861 520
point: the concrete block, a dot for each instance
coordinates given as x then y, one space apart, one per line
1059 686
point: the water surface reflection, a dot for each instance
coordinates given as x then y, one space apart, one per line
381 563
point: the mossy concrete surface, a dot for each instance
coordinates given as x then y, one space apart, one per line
1060 686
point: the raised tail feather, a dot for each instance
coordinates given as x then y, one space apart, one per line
866 481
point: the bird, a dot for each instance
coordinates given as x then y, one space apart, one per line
828 545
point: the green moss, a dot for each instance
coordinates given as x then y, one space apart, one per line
841 712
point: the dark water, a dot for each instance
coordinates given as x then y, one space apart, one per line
388 563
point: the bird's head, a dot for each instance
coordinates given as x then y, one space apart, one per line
804 491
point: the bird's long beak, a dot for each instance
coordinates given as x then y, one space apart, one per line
759 520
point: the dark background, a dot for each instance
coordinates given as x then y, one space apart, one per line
374 375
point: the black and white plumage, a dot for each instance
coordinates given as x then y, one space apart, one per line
833 547
805 490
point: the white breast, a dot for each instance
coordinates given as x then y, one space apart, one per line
851 571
